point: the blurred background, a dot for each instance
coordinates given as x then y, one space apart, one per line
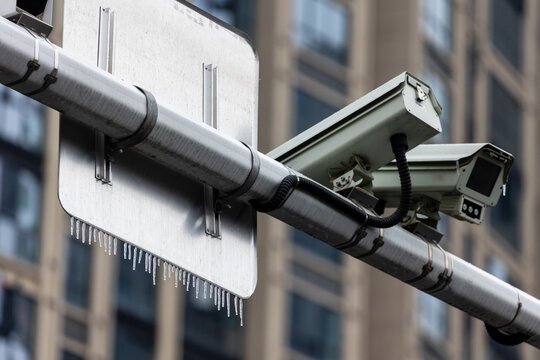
62 300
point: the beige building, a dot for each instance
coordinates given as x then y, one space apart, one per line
63 300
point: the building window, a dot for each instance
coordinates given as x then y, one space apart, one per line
437 23
135 321
75 330
433 318
78 273
234 12
505 128
22 123
20 204
17 325
507 29
443 95
66 355
321 26
211 334
309 111
315 331
316 246
21 141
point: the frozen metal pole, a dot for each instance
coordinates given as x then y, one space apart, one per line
95 98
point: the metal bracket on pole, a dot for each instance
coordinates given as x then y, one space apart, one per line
105 62
212 216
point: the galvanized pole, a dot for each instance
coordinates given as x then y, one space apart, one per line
95 98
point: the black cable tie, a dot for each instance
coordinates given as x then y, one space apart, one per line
356 238
144 129
377 243
250 179
49 79
32 65
426 269
445 278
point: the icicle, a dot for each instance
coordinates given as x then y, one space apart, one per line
154 270
197 288
241 312
100 239
204 289
125 251
150 258
504 190
146 262
140 256
158 262
72 223
77 228
175 277
115 241
222 298
83 232
134 258
184 277
129 251
169 270
228 304
164 271
236 305
188 278
110 244
95 234
89 235
211 290
215 295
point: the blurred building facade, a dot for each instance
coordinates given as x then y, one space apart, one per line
63 300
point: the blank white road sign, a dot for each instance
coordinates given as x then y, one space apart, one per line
190 62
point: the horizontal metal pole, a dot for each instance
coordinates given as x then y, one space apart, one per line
95 98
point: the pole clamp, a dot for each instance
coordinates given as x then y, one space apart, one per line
250 179
144 129
503 337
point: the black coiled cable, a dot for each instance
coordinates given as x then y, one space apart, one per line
292 182
399 148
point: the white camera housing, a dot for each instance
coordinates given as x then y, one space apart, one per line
363 130
463 178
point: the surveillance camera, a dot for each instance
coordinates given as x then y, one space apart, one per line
462 179
363 129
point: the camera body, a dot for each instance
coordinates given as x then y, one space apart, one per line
362 130
463 179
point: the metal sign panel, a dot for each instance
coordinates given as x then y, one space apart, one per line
205 71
